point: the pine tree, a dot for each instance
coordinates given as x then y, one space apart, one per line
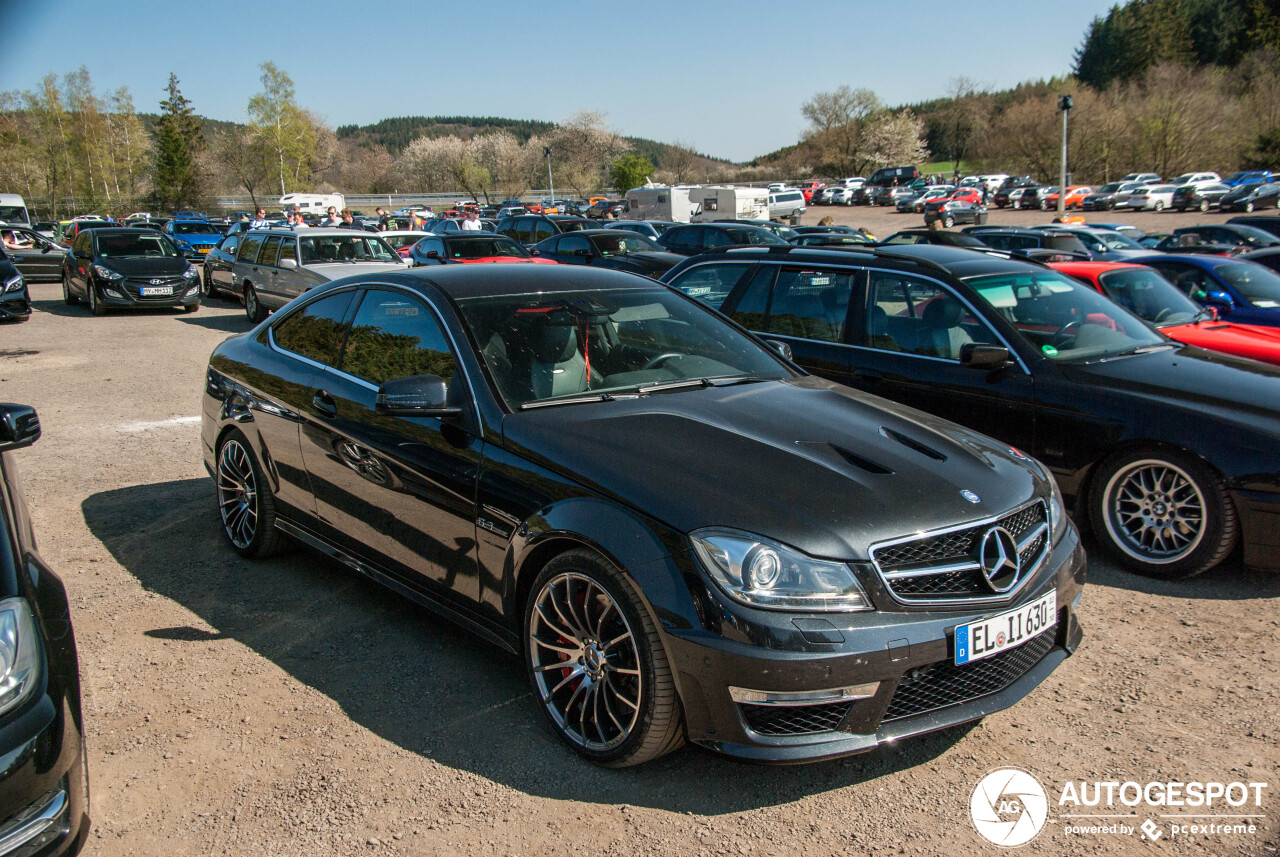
178 142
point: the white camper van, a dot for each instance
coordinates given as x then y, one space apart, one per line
731 203
313 203
13 210
659 202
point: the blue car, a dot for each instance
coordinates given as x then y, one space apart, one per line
195 238
1242 291
1247 177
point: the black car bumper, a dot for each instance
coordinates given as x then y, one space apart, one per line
1259 513
15 306
117 296
908 657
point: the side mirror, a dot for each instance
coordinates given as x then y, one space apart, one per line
986 357
81 254
534 251
415 396
433 254
46 248
1218 298
19 426
781 348
584 254
288 263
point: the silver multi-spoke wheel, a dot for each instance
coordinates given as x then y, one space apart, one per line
1155 511
585 661
237 494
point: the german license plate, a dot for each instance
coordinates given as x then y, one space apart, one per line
1006 631
149 291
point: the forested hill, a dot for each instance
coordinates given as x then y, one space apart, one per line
1131 38
396 133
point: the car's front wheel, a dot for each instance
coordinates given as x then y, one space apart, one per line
948 221
1162 513
245 502
68 298
207 290
1159 205
96 306
1248 206
597 665
1204 205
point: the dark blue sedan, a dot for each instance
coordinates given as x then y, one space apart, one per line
1242 291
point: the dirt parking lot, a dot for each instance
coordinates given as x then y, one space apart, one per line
290 707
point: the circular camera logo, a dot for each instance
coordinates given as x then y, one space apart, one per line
1009 807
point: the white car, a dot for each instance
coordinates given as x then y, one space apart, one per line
854 182
842 196
993 181
1142 178
776 186
1196 179
1156 197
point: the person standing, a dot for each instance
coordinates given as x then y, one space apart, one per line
472 222
259 219
332 219
384 219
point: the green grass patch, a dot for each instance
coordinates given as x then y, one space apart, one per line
946 168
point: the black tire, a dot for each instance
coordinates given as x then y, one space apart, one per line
948 221
207 291
246 506
655 724
96 306
1204 205
190 308
68 298
1248 206
1187 500
1159 205
253 308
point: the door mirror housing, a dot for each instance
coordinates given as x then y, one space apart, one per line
781 348
415 396
433 254
19 426
1219 298
289 264
81 254
988 357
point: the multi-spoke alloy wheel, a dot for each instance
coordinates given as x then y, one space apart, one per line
237 494
1165 514
597 663
245 502
585 662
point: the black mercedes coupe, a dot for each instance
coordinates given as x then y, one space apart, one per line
683 535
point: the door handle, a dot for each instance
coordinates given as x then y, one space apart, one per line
324 405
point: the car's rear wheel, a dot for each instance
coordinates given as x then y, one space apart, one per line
1204 205
1159 205
1162 513
252 308
1248 206
68 298
948 221
245 502
596 663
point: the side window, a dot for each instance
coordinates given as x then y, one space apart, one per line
572 244
920 317
753 306
394 336
1190 280
711 284
249 248
712 238
429 244
288 249
998 242
688 238
270 248
315 331
230 244
542 230
82 243
811 304
524 229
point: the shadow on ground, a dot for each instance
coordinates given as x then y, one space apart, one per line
237 323
412 678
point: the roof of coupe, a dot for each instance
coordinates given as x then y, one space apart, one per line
472 281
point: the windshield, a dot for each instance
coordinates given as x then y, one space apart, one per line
1109 188
1259 285
119 245
754 236
1062 319
1253 236
1109 240
346 248
398 241
480 248
193 227
544 347
1149 296
13 214
611 245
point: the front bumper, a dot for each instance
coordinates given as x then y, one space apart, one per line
1259 513
15 306
908 654
117 296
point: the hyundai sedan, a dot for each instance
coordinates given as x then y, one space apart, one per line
683 536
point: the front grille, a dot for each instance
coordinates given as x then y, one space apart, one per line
943 683
795 719
134 285
955 555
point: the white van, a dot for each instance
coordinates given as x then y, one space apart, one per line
787 204
659 202
731 203
13 210
313 203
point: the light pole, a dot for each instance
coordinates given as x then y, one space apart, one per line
550 184
1064 107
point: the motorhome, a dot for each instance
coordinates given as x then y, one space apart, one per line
13 210
659 202
313 203
731 203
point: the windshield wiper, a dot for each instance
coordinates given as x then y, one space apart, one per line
673 385
1139 349
568 400
1204 313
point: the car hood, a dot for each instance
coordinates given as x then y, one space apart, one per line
338 270
1242 340
1237 391
145 266
806 462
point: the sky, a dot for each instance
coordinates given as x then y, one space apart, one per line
726 78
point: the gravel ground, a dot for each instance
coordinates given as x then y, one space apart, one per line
289 707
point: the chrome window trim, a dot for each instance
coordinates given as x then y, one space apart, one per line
990 520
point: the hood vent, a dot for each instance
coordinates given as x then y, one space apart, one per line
848 457
911 443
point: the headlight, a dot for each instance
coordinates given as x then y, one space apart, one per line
762 573
19 653
13 284
107 273
1057 512
190 273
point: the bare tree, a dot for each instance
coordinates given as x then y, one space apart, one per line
896 138
583 146
680 161
964 114
838 122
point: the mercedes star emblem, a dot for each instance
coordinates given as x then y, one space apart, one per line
999 560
